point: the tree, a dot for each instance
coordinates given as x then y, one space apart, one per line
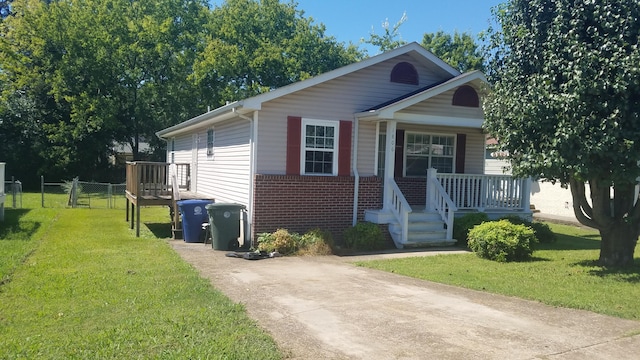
255 46
459 50
566 105
391 38
98 72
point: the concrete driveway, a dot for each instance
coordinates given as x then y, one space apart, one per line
327 308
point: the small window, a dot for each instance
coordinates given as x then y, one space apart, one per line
466 96
210 142
404 73
424 151
319 147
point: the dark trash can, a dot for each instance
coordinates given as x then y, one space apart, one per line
193 214
224 220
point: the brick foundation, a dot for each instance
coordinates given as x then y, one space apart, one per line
301 203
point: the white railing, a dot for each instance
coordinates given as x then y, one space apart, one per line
400 208
485 192
439 201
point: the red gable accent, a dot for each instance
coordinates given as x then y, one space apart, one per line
344 148
294 129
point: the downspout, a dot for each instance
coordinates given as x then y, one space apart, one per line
356 175
253 132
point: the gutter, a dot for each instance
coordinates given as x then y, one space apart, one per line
356 175
253 131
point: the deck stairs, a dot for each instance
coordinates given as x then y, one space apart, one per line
426 229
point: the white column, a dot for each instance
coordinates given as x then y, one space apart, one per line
389 162
431 190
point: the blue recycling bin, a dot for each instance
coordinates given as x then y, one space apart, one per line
193 214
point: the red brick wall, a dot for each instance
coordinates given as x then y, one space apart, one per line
414 189
301 203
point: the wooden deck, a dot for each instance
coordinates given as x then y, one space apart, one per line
158 184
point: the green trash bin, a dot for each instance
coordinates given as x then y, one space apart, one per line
224 221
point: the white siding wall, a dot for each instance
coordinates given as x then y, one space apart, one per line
337 99
182 149
226 176
440 105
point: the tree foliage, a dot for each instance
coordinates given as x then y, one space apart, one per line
458 50
255 46
391 37
78 75
566 103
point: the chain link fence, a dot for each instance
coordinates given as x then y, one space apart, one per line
13 192
83 194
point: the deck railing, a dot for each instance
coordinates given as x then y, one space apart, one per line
152 178
485 192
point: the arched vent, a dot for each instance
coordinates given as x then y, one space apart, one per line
404 73
466 96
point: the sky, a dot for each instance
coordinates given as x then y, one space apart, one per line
352 20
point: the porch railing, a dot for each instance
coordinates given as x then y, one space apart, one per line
152 178
484 192
439 201
400 208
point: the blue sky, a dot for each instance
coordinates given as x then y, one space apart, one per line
351 20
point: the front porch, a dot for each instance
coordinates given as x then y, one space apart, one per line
448 196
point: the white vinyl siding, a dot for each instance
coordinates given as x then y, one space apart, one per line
440 105
337 99
226 176
182 149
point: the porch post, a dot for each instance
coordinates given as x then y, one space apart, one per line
389 162
431 190
526 194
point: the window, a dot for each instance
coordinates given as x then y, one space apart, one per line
425 151
382 144
210 142
465 96
319 147
404 73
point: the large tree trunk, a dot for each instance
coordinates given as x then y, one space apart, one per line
617 218
618 244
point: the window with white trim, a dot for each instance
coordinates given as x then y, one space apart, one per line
319 147
211 135
424 151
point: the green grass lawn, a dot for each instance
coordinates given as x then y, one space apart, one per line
77 283
560 274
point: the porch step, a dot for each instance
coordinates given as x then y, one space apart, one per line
425 229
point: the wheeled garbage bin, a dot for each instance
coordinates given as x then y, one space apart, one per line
224 220
193 215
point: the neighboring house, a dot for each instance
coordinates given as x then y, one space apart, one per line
349 145
122 152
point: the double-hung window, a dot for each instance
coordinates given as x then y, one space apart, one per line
424 151
319 147
211 136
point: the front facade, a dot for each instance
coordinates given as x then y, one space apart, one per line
331 150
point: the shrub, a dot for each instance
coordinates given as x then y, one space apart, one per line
281 240
313 242
502 241
541 230
316 242
364 236
463 224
